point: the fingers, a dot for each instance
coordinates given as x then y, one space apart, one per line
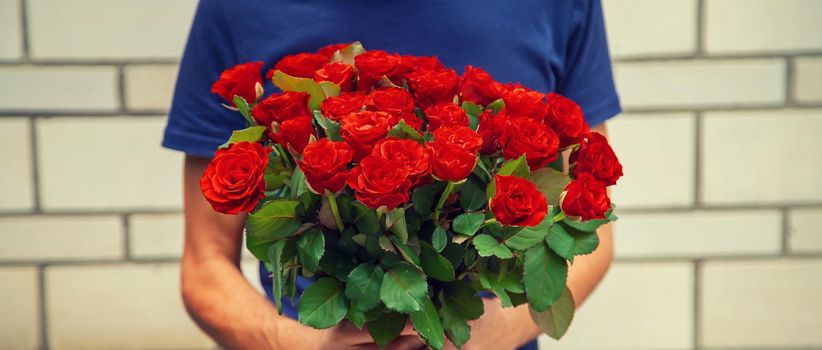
406 342
409 330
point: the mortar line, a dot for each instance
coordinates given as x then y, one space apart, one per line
786 232
35 166
121 88
698 160
126 222
700 28
790 76
697 344
24 31
42 312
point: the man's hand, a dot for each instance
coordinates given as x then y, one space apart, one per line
347 336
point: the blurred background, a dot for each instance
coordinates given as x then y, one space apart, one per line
719 245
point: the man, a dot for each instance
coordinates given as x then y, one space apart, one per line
547 45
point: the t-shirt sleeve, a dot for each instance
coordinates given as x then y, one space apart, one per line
198 123
587 77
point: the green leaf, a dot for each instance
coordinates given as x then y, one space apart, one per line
435 265
310 249
403 288
250 134
471 108
406 252
423 199
330 127
274 256
468 223
555 321
356 316
290 83
590 225
329 89
463 299
496 106
487 246
386 328
323 304
395 222
363 286
439 239
405 131
530 236
346 54
472 193
489 280
365 218
545 274
258 247
243 107
455 325
427 323
298 183
274 220
550 182
517 167
568 242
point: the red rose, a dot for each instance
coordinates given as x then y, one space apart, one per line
301 65
420 63
411 153
445 115
566 118
294 133
536 140
596 157
391 100
281 107
478 86
329 50
233 181
517 202
461 137
325 165
434 85
337 107
363 129
449 162
375 64
240 80
585 198
522 102
490 128
338 73
380 182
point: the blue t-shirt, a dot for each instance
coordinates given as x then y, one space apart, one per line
546 45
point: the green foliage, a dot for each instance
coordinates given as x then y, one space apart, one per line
403 288
464 300
528 237
250 134
435 265
423 199
568 242
468 223
346 54
310 248
455 325
274 255
323 304
496 106
363 286
544 277
472 193
244 108
473 111
290 83
517 167
386 327
489 280
407 253
395 222
274 220
404 131
365 218
427 323
550 182
489 246
439 238
555 320
330 127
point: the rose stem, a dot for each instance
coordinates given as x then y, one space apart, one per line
332 201
503 268
448 188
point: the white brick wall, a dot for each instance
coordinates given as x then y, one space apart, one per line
718 246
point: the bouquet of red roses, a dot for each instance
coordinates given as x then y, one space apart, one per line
440 186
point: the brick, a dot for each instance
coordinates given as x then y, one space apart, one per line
49 238
145 29
637 306
658 175
11 44
118 158
761 304
156 236
765 26
58 89
16 180
19 305
762 157
149 87
701 83
805 230
135 306
650 27
699 234
808 79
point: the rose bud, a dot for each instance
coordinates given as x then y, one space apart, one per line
536 140
445 115
337 107
596 157
411 153
325 165
233 182
566 119
281 107
361 130
517 202
434 86
301 65
478 86
293 134
449 162
585 198
378 182
240 80
461 137
338 73
375 64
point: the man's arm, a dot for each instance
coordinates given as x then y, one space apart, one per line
509 328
